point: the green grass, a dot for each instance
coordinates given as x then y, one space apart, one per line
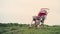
24 29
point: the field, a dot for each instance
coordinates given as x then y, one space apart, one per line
15 28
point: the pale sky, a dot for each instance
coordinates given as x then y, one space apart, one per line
21 11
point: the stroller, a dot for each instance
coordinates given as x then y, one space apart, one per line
37 21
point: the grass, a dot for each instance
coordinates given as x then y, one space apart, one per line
23 29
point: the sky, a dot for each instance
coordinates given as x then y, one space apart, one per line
21 11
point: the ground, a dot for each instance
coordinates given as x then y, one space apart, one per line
24 29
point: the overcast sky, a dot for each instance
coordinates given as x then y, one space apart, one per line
21 11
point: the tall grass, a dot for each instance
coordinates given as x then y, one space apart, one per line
14 28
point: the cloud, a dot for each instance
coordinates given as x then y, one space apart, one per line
21 11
